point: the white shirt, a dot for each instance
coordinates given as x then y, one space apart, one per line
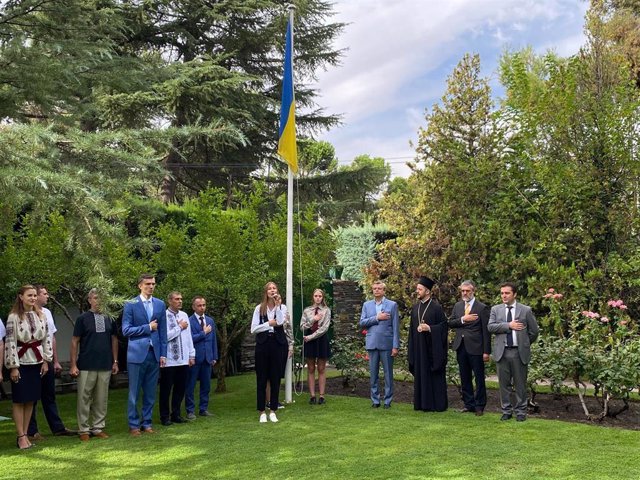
179 342
279 313
513 317
3 332
50 324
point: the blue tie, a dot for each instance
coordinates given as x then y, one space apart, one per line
148 308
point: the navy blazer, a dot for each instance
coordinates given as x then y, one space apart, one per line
135 326
381 334
206 345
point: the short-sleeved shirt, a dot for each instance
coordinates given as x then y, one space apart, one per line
51 325
95 332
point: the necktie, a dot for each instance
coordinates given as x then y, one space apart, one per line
467 308
148 308
510 335
202 322
314 326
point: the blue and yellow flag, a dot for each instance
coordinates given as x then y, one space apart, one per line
287 139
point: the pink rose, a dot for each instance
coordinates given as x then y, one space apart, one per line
604 320
550 290
366 357
364 332
558 296
623 322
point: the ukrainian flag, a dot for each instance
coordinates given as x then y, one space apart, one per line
287 139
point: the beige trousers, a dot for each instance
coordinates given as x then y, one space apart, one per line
93 394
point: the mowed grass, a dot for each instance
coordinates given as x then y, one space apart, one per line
343 439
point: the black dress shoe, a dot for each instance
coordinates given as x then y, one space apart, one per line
387 405
479 413
178 420
66 433
521 418
312 401
375 405
505 416
321 401
166 423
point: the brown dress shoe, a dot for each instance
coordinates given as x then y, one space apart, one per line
36 437
148 430
84 437
134 432
100 435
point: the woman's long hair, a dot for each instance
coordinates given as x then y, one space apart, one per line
266 298
18 306
324 298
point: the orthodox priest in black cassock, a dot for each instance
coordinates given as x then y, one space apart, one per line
427 351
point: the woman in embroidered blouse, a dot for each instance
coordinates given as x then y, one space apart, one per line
27 353
271 347
315 324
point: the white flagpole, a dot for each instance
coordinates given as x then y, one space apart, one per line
288 376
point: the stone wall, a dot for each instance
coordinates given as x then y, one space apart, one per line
347 304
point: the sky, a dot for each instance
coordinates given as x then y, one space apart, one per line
399 53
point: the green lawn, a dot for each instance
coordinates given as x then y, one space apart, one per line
343 439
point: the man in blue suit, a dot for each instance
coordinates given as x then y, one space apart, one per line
143 323
380 318
203 332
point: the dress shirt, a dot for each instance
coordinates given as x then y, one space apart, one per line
473 299
279 313
3 332
513 317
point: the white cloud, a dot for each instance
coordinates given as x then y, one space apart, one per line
400 51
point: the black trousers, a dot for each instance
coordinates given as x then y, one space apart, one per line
268 367
172 379
49 406
472 364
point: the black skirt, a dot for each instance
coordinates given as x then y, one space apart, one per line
28 388
318 348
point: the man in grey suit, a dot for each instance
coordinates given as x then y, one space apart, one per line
515 328
380 318
472 345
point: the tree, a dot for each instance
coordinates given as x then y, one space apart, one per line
223 61
440 212
227 255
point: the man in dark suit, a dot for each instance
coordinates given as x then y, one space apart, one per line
203 332
144 324
515 329
380 318
472 345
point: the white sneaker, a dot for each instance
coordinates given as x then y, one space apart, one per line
272 417
263 418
